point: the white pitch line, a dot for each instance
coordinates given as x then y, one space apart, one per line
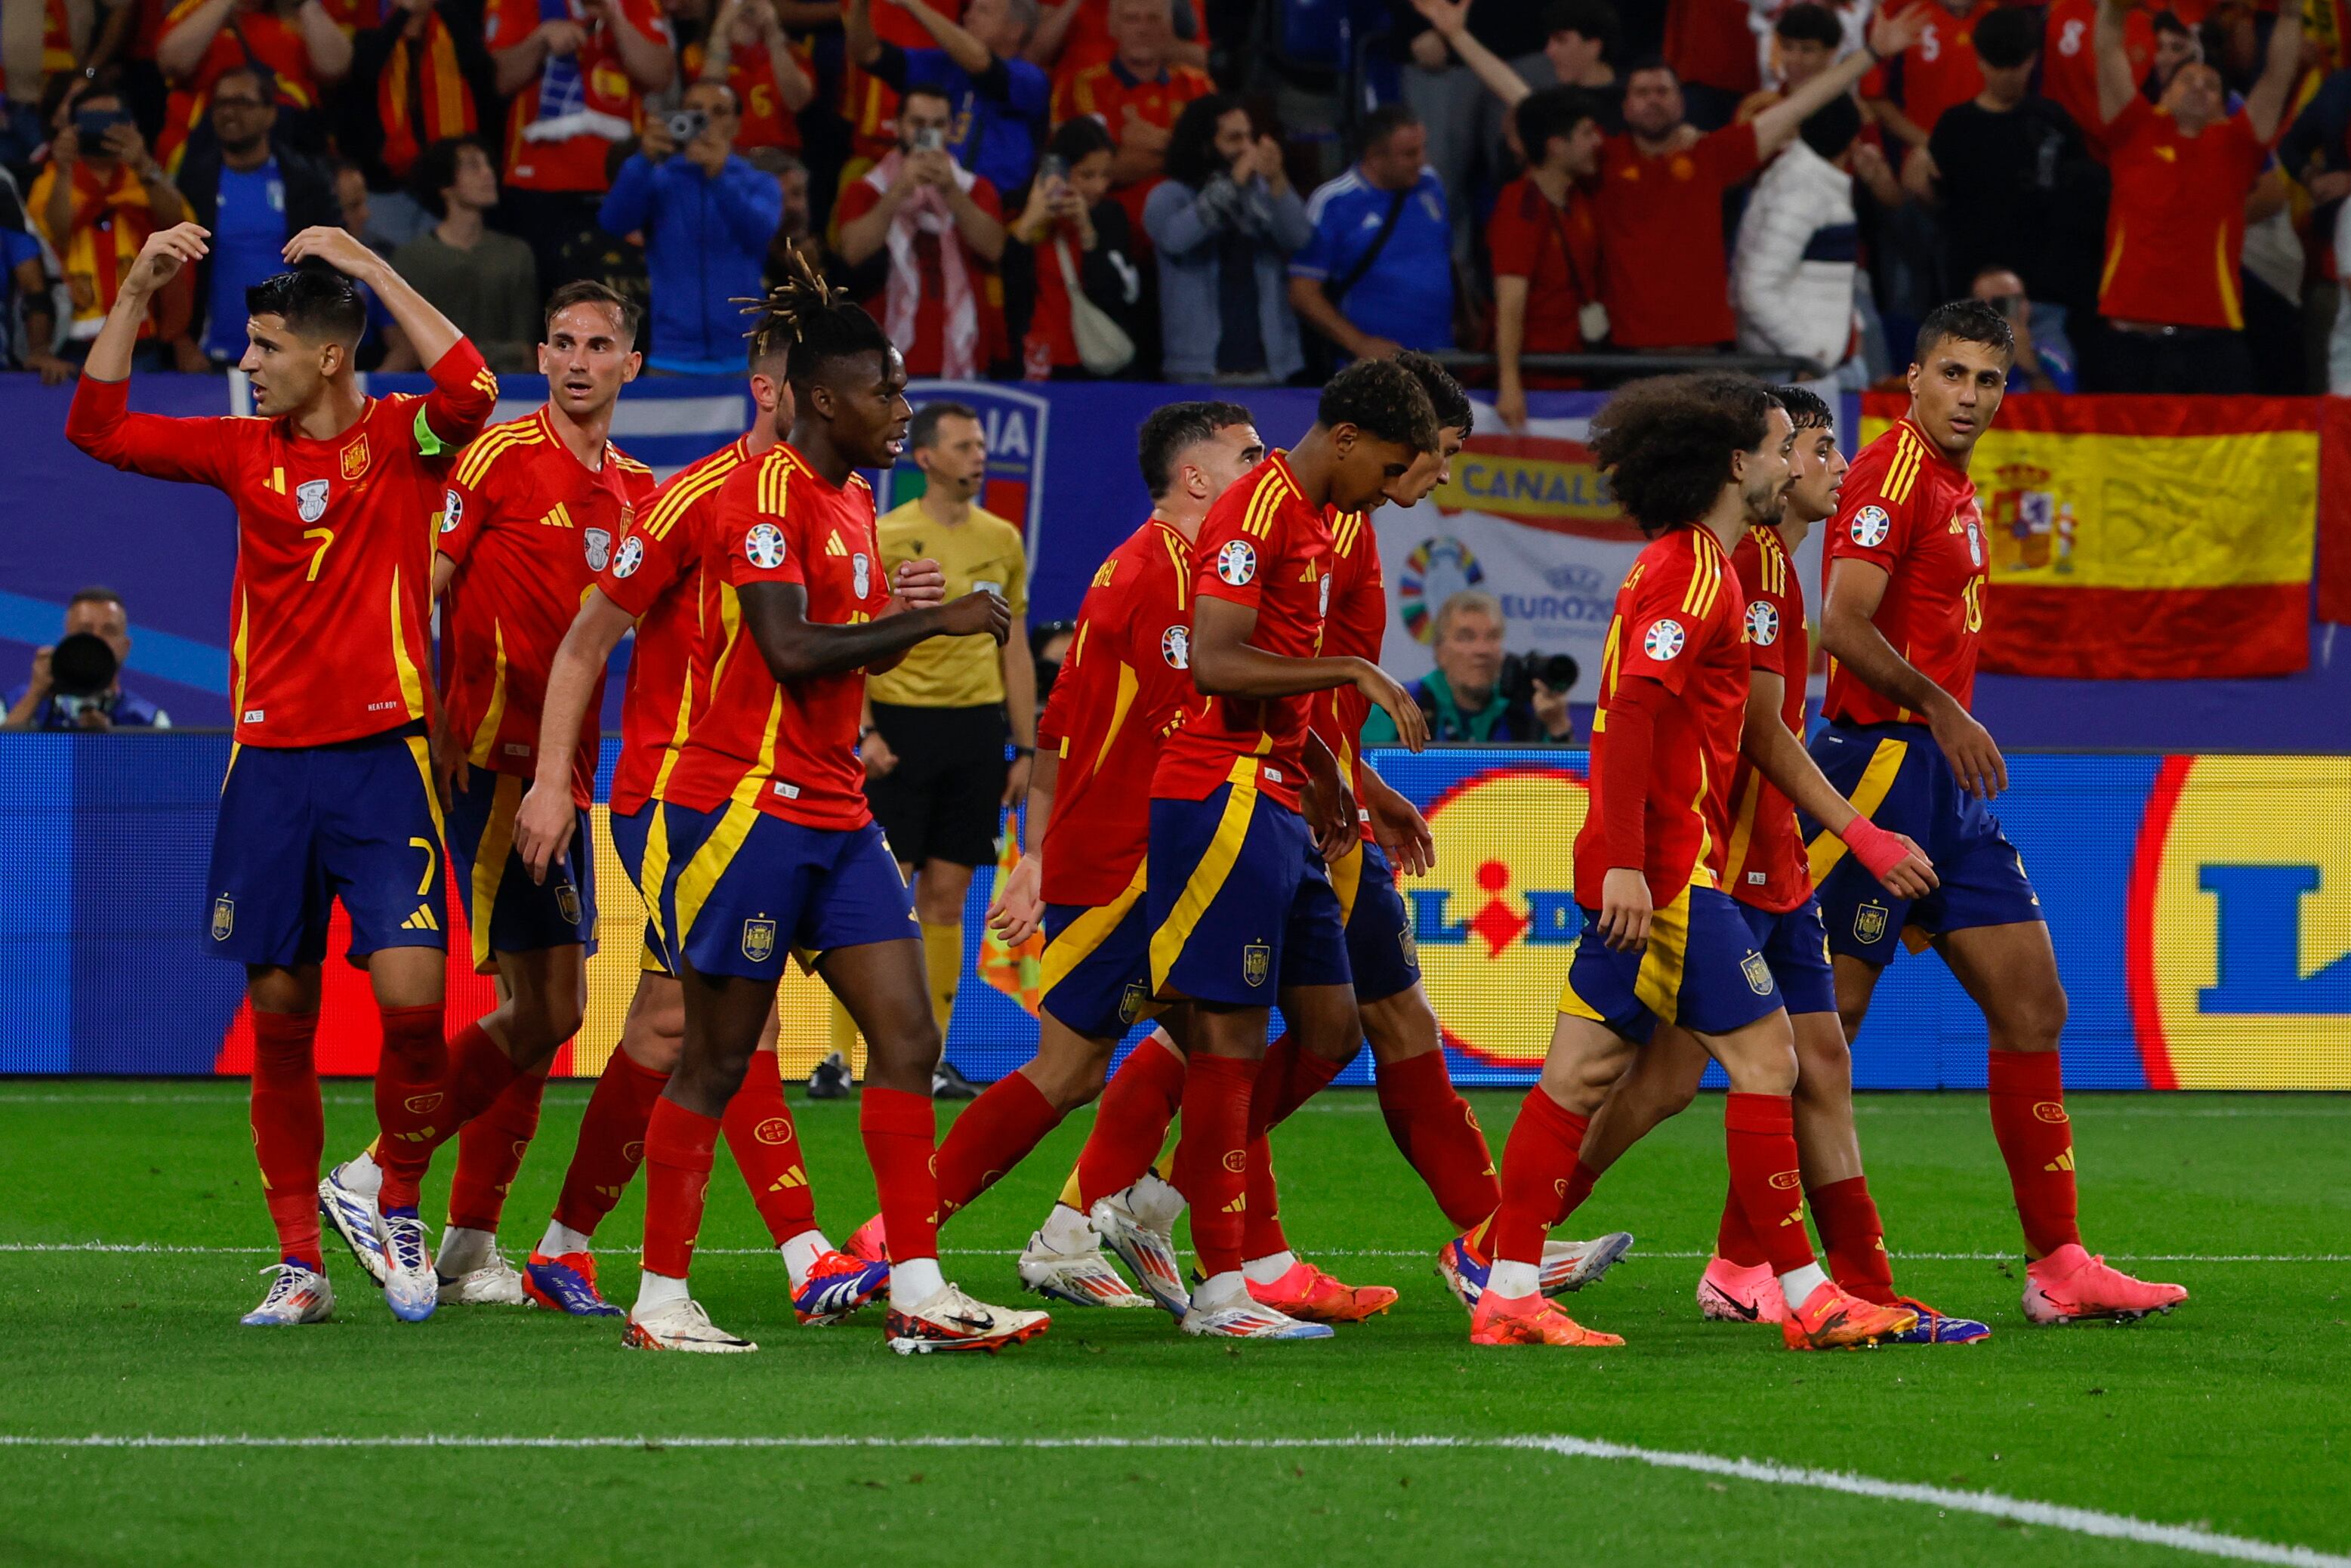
1988 1505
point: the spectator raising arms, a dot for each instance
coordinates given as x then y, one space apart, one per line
1075 34
484 281
1225 222
1938 70
708 216
1792 276
1545 241
1378 275
999 100
423 74
295 40
1136 94
748 50
100 198
1069 233
937 228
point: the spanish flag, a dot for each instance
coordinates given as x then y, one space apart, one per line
2143 538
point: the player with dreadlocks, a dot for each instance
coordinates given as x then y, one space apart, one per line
762 843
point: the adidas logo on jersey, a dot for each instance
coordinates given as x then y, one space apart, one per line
833 545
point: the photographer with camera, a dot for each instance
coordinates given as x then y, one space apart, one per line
708 216
77 682
1480 695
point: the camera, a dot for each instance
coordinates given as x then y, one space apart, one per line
686 124
1521 671
930 139
91 126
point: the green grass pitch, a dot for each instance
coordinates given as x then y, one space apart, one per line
2227 1417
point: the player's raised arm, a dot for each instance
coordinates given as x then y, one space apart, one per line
1849 635
464 391
544 822
101 421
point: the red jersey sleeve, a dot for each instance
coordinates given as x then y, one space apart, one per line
1729 155
754 529
662 547
1661 623
1238 542
194 451
1773 606
1513 241
859 199
465 393
1875 510
464 504
2137 116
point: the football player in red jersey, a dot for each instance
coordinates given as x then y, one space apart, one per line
764 844
531 511
655 581
330 792
1695 460
1764 872
1125 684
1241 908
1907 563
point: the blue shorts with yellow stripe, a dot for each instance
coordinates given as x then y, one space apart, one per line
1241 907
509 912
303 826
1380 951
1097 979
630 831
1797 948
740 890
1702 969
1897 777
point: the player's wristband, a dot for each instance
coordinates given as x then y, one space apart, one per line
1878 850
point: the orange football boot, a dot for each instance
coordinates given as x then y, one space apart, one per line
1833 1319
1309 1295
1530 1320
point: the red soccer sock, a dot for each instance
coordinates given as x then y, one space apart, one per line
2036 1139
900 1133
991 1135
412 1101
680 1147
1759 1138
1580 1183
766 1150
1855 1243
289 1129
490 1148
1734 1239
1286 1079
1262 1233
1437 1133
1212 1158
1536 1161
612 1143
1131 1122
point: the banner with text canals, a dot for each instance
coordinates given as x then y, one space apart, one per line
2143 538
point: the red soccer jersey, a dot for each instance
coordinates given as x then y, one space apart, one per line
766 121
1355 627
1680 621
1124 685
527 525
1938 71
1764 863
655 574
1557 252
1707 41
1906 510
1662 271
253 35
2069 64
2176 227
926 348
332 605
790 749
1109 91
1087 42
558 133
1265 546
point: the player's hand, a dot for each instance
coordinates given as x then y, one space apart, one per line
1399 829
1015 780
1625 910
166 251
981 611
65 146
1019 910
917 585
451 771
1330 814
543 826
1913 876
339 248
1968 748
1895 31
875 753
1392 699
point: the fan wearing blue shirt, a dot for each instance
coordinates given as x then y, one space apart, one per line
1378 273
1000 101
254 196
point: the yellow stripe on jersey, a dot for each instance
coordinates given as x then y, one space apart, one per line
490 863
1208 878
689 487
1876 779
1182 572
486 733
628 465
487 447
1657 984
411 684
1909 453
2225 263
1119 705
236 650
1734 860
1272 491
1082 937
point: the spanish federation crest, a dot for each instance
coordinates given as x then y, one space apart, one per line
224 918
598 544
1130 1002
758 940
1257 962
1869 922
566 903
355 457
311 499
1758 972
631 556
1175 647
862 573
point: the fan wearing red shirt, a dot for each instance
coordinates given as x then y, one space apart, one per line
1901 619
764 843
1911 90
330 792
2170 290
202 40
578 72
1076 34
1694 461
1241 909
1765 873
2069 61
773 76
1136 94
1544 238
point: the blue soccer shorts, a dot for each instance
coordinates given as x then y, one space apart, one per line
300 827
507 911
1701 968
630 832
742 890
1896 776
1381 954
1097 978
1241 905
1798 951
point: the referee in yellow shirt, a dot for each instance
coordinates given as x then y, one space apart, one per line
936 726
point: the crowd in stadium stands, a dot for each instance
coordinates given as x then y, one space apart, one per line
1184 189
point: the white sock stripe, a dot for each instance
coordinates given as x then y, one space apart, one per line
1988 1505
1639 1254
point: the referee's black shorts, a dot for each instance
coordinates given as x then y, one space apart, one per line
945 799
